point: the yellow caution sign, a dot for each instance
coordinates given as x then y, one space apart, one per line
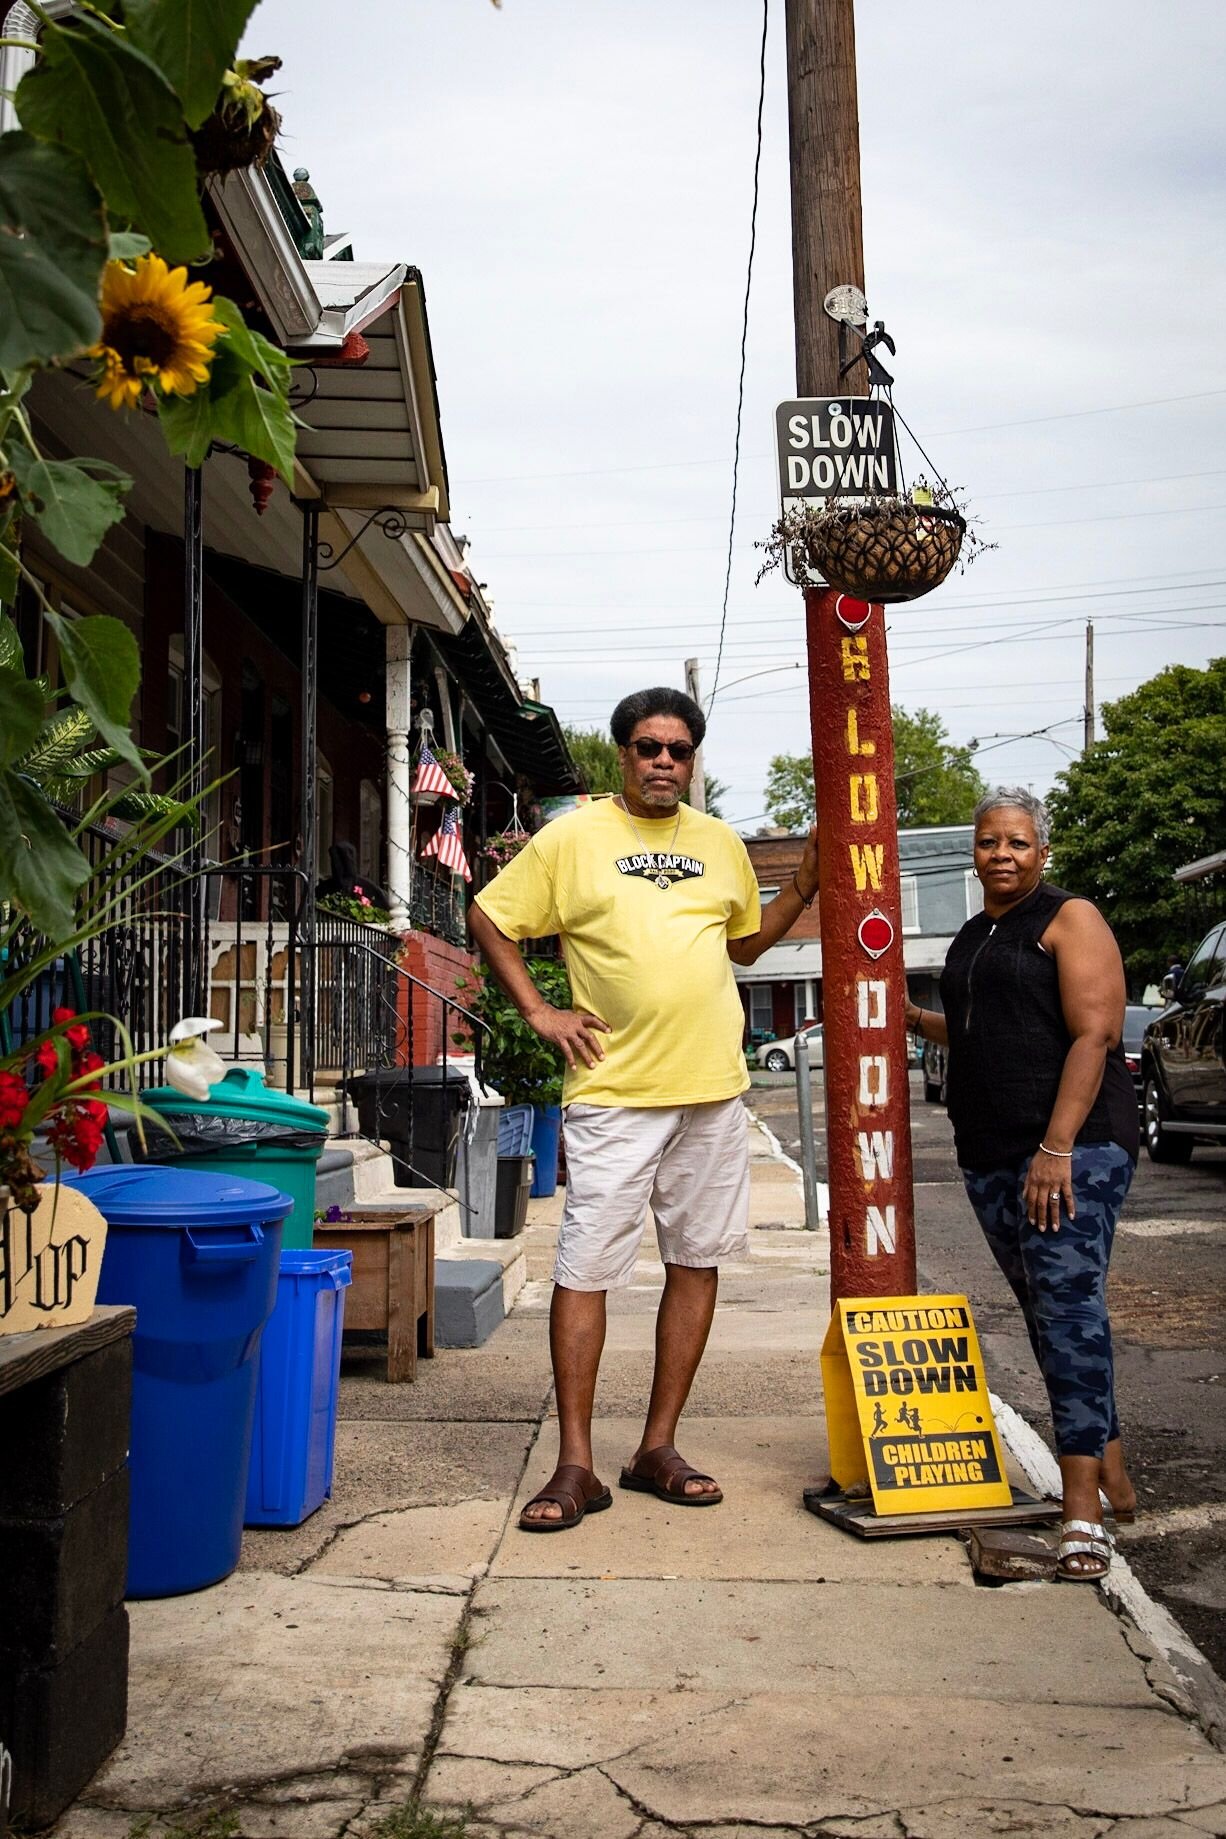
907 1406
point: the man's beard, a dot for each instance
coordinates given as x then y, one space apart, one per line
667 799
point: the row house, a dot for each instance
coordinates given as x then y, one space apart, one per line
783 990
298 647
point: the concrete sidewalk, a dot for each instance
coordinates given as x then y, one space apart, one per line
736 1671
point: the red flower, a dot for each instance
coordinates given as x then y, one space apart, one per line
77 1037
47 1058
89 1063
14 1097
76 1133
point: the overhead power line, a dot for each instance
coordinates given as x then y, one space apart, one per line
1031 421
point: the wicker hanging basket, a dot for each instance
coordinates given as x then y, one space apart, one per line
887 551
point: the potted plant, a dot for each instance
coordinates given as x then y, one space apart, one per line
525 1069
885 548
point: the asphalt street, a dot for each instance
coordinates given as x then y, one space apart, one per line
1167 1295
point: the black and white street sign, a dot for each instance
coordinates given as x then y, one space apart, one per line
834 447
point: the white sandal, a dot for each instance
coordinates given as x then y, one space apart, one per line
1097 1545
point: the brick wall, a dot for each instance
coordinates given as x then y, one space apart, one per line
775 860
442 966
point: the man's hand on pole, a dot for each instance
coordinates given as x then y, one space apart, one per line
808 875
572 1030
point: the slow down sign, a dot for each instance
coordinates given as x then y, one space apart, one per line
834 447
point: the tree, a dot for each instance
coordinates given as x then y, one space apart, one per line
934 783
1148 797
596 757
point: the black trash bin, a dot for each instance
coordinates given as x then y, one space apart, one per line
511 1207
419 1112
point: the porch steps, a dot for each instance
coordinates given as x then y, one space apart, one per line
476 1280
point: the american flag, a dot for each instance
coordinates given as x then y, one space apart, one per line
447 846
430 775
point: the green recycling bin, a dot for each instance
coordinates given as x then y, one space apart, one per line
243 1129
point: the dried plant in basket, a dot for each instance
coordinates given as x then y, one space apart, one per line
884 549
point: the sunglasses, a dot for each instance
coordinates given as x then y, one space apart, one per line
676 750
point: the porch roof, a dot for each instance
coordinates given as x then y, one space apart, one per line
528 734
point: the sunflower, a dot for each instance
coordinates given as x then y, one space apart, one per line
156 329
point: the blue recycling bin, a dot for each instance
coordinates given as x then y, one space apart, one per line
197 1255
546 1135
295 1400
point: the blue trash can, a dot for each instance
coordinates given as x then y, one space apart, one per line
197 1255
546 1132
295 1400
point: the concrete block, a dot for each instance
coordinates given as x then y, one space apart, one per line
63 1435
61 1722
63 1576
468 1303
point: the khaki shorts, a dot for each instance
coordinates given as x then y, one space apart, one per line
690 1165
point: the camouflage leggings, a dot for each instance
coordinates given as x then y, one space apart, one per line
1060 1279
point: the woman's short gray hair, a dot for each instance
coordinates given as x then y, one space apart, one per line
1017 799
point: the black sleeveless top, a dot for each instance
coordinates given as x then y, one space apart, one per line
1008 1041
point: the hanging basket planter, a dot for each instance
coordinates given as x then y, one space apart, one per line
886 550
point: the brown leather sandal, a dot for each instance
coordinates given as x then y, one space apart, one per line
575 1490
664 1473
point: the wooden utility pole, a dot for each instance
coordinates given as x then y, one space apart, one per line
864 989
1088 731
827 222
698 784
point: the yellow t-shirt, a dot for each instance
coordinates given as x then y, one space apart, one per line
649 959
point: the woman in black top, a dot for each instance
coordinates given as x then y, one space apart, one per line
1045 1127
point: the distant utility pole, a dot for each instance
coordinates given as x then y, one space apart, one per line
698 784
864 987
1089 714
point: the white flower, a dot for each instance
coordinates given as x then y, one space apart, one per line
191 1065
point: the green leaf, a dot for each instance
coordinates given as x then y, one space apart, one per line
93 90
41 868
74 509
10 574
52 249
194 42
235 405
254 351
102 670
12 657
127 245
21 715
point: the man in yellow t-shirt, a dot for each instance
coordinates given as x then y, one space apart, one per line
654 902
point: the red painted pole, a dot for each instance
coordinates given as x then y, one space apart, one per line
864 987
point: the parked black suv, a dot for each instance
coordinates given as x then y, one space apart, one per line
1183 1058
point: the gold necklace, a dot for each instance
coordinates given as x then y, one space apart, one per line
653 855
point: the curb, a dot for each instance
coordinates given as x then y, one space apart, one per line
779 1154
1184 1678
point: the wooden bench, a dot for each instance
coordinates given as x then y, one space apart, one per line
393 1281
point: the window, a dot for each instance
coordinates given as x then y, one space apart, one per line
1199 974
974 894
909 888
801 1011
370 831
176 738
761 1008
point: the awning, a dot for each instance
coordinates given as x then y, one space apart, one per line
1204 865
790 960
528 734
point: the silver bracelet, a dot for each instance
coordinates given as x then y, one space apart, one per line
1065 1154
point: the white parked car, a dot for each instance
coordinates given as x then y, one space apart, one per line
780 1056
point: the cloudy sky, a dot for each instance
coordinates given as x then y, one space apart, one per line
1042 213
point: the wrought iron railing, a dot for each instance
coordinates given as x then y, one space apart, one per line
434 905
148 966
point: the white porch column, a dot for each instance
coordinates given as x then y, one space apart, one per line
399 641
